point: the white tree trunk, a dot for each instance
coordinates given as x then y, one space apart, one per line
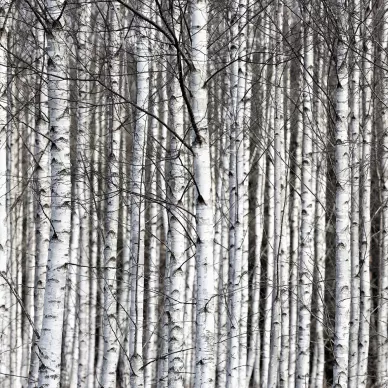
83 196
151 350
235 223
320 216
111 341
383 291
177 246
42 214
242 144
204 352
224 252
268 122
367 118
342 207
137 207
307 254
354 131
280 281
295 214
50 344
4 290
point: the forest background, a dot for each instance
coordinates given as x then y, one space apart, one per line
193 193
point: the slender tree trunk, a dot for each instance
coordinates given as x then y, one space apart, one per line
137 206
4 290
280 294
342 207
222 346
42 213
111 345
320 215
383 291
235 204
306 264
50 344
295 214
83 196
204 355
151 349
367 112
175 193
354 100
268 123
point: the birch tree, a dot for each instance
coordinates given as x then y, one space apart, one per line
204 355
307 254
342 204
51 334
354 100
4 299
383 310
367 114
137 205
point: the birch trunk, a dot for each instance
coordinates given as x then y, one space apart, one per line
320 214
383 291
154 244
162 377
137 206
175 194
306 266
268 125
205 330
354 99
295 215
83 196
42 213
342 207
235 231
367 111
279 296
242 240
4 291
111 345
50 344
222 345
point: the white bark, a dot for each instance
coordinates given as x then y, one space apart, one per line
204 355
279 349
151 349
162 377
177 246
4 292
342 207
243 155
69 367
83 197
222 344
367 118
268 123
306 264
382 374
42 215
111 345
137 206
320 216
29 257
354 99
94 227
50 344
295 215
234 262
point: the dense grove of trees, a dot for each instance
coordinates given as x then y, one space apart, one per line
193 193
